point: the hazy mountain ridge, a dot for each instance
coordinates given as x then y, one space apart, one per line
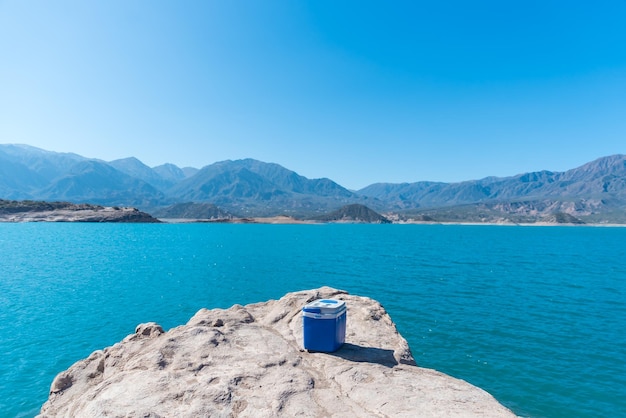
245 187
135 168
25 169
251 187
602 177
170 173
98 182
593 192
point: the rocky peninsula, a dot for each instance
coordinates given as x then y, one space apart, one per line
38 211
249 361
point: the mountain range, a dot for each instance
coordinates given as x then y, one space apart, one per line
594 192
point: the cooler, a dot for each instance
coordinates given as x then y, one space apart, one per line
324 322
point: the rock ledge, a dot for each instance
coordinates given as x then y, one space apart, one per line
248 361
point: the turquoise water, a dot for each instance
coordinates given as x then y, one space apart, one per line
535 316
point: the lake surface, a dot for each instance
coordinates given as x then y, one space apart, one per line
534 315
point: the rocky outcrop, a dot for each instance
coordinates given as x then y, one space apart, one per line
353 213
38 211
248 361
563 218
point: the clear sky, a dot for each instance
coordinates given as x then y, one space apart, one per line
356 91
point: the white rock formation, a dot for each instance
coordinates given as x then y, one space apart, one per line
80 213
248 361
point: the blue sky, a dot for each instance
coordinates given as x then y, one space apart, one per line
356 91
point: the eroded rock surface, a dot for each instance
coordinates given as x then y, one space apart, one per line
248 361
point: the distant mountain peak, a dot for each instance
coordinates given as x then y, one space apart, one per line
22 149
133 160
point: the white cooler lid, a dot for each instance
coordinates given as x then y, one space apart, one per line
325 306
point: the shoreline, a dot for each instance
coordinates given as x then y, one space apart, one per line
286 220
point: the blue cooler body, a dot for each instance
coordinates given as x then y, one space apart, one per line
324 322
